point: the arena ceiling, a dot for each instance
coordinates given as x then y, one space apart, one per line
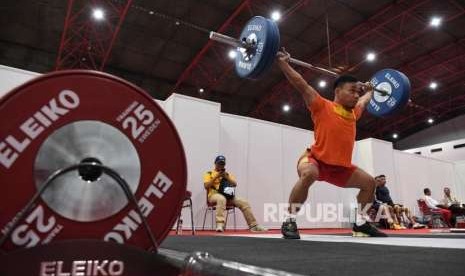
163 47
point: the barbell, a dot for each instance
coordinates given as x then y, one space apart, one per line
258 45
65 118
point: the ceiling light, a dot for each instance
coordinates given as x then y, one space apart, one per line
371 56
98 14
435 21
232 54
322 84
286 108
433 85
430 120
201 90
275 16
395 135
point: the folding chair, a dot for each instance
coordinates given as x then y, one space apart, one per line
230 208
186 203
437 220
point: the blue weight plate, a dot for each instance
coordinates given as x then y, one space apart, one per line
273 48
398 87
406 96
269 52
265 56
251 63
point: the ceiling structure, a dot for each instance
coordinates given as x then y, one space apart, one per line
163 47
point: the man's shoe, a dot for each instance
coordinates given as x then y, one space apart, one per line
289 230
367 230
219 227
417 225
258 228
396 226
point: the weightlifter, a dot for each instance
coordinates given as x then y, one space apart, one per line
329 158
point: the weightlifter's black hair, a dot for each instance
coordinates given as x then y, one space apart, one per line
341 80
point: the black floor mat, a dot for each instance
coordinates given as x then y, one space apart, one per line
326 258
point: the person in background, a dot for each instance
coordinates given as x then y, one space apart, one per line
435 205
452 204
397 211
213 180
448 199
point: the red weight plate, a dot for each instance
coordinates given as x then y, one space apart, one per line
68 117
75 258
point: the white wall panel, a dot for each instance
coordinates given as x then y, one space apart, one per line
12 77
440 174
383 163
265 177
411 177
459 169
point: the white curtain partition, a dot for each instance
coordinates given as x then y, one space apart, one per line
12 77
263 155
460 180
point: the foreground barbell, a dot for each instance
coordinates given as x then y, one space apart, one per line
75 117
259 43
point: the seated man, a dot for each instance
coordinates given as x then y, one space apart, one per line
396 210
435 205
449 200
383 200
212 182
452 204
381 208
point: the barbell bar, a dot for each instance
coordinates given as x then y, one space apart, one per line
242 44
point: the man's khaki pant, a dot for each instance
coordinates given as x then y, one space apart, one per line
240 203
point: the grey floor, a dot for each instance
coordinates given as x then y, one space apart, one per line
319 255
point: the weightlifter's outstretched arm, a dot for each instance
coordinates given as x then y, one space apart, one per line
307 92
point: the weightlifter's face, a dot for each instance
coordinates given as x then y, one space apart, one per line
348 94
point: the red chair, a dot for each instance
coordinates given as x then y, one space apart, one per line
437 220
230 208
186 203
